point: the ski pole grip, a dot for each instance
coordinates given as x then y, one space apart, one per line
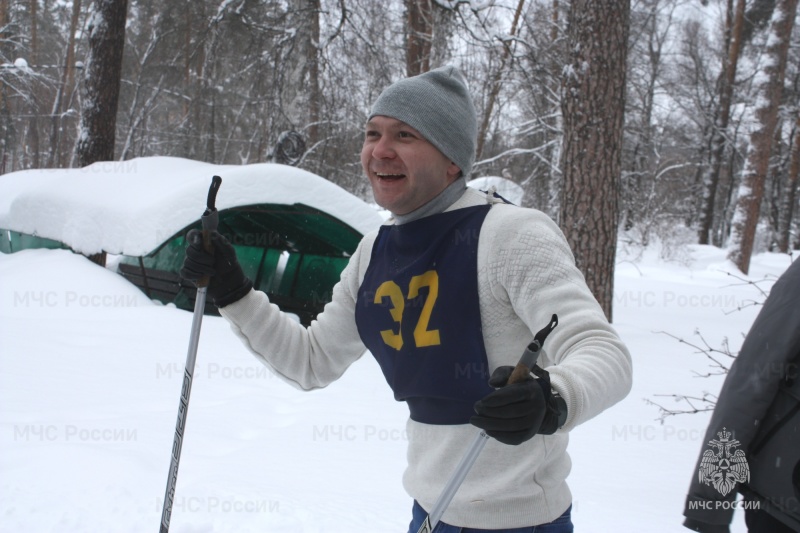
210 218
531 354
210 221
211 202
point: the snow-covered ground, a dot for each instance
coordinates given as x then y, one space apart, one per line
91 371
90 374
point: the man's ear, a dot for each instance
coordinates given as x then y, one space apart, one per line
453 172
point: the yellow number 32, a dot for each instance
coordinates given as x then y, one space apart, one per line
422 335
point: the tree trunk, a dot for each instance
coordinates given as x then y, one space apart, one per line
103 74
5 115
751 189
496 84
719 133
790 192
102 82
300 92
593 103
4 18
34 57
419 26
640 168
64 88
312 59
211 150
33 133
187 59
551 192
554 20
33 122
776 182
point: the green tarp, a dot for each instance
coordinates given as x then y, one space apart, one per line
294 253
14 241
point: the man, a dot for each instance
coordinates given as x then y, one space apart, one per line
758 416
449 290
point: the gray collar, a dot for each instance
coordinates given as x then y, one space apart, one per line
438 204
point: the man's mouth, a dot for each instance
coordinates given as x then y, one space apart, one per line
389 177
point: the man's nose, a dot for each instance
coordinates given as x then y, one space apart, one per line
383 149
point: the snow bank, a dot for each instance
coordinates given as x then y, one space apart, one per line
92 373
131 207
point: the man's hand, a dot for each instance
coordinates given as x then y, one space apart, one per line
515 413
227 282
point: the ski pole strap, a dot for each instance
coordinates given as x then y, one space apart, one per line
210 221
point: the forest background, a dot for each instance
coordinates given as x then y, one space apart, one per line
627 121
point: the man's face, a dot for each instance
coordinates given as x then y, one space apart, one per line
405 170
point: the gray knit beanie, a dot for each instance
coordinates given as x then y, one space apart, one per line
438 105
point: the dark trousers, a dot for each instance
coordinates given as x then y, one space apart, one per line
562 524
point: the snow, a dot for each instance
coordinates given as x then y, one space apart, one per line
91 371
132 207
506 188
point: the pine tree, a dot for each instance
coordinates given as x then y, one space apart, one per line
751 189
593 96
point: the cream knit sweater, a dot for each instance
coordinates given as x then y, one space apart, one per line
526 273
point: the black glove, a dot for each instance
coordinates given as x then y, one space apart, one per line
227 283
515 413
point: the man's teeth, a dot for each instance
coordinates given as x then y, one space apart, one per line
384 175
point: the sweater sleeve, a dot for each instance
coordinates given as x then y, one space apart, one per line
312 357
532 268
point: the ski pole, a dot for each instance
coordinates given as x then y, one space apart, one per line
520 373
209 220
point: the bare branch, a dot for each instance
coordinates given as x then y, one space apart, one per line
706 402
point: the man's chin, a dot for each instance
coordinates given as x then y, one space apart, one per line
395 208
393 201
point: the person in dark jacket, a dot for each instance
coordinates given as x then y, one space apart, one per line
753 438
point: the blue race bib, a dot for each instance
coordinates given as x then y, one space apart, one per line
418 312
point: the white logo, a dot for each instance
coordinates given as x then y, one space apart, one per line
725 468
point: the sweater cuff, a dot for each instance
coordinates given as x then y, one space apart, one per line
240 307
234 295
563 388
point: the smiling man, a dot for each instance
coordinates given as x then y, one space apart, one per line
445 296
404 169
411 127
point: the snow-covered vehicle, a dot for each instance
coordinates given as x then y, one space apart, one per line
294 231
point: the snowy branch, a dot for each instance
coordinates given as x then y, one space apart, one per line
474 5
536 152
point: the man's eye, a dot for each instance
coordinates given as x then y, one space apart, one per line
405 135
371 134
